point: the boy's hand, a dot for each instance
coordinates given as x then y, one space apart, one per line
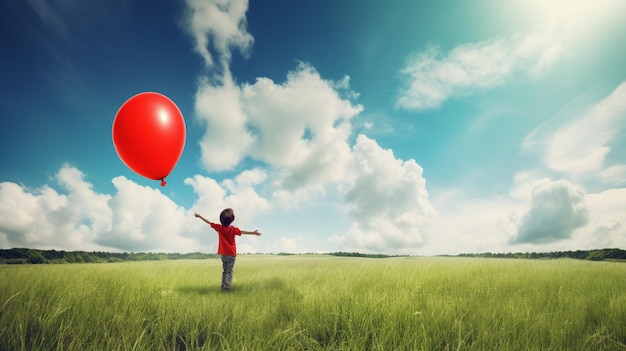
196 215
256 232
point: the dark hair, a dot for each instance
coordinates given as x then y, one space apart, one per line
227 217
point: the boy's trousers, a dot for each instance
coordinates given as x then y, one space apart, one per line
228 265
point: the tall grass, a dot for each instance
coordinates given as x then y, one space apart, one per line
316 303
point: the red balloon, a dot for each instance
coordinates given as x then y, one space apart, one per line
149 135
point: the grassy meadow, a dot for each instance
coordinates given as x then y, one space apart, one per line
316 303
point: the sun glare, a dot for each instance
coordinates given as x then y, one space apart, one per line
571 22
577 13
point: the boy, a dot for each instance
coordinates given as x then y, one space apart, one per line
227 247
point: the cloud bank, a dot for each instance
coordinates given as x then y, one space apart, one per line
46 218
135 218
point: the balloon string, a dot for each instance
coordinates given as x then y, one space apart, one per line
163 182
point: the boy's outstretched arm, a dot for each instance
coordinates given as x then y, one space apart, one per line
202 218
255 232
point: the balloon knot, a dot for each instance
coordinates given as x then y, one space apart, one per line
163 182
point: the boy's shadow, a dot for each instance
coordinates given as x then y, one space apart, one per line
272 285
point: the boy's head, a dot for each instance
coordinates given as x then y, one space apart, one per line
227 217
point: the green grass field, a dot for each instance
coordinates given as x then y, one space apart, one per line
316 303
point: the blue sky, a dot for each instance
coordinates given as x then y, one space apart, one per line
403 127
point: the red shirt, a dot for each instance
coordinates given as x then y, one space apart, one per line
226 244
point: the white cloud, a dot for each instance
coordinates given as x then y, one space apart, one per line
607 227
388 200
557 208
144 220
226 140
299 129
44 218
135 218
86 204
302 126
220 24
465 224
18 210
238 193
432 77
286 244
580 148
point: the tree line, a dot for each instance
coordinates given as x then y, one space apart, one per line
591 255
35 256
